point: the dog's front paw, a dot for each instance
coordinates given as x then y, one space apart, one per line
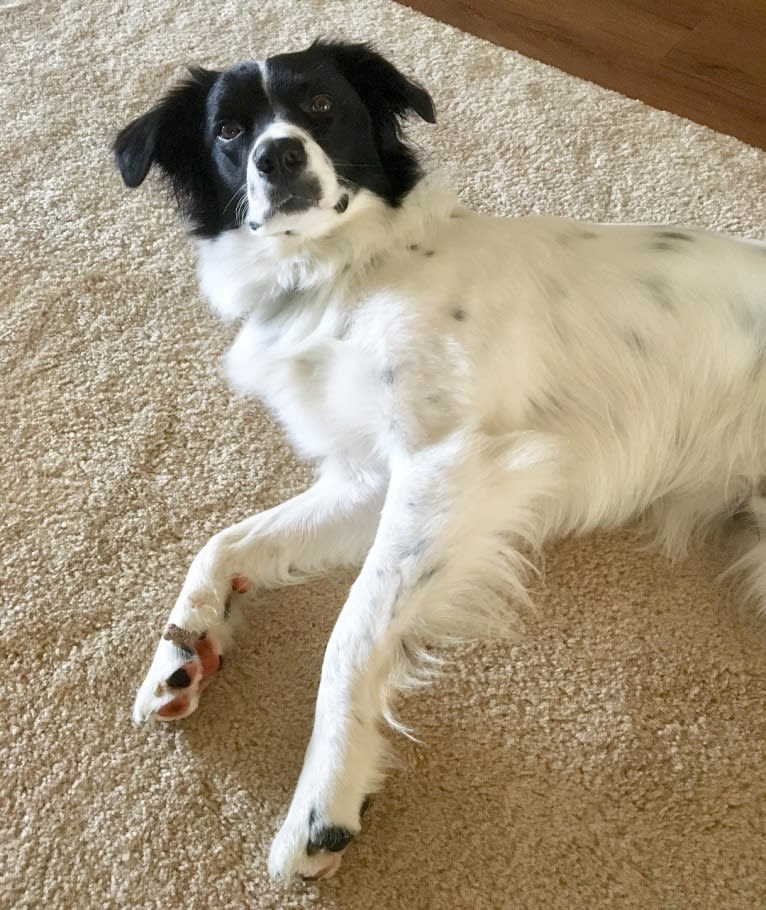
310 845
183 666
188 656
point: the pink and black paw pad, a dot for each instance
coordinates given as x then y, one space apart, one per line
186 661
187 682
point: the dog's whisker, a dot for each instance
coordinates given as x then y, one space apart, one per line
240 212
240 192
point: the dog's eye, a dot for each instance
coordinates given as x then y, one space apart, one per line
321 104
229 130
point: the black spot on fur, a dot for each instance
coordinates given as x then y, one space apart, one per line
671 241
555 405
428 575
636 343
549 406
459 314
660 293
179 680
413 248
411 551
675 235
428 253
587 235
388 376
333 838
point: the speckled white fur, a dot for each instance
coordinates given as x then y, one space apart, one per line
471 387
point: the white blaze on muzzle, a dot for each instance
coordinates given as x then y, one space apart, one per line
283 192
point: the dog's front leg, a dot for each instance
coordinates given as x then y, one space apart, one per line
343 759
453 519
332 523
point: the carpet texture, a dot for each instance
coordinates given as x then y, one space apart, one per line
614 757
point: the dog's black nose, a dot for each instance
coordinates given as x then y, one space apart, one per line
280 158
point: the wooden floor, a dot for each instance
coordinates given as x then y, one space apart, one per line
703 59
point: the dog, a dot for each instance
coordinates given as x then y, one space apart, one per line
470 388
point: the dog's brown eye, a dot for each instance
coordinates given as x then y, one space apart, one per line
321 104
229 129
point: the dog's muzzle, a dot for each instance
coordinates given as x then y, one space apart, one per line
290 177
280 161
282 167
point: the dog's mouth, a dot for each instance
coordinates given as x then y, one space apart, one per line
292 204
297 204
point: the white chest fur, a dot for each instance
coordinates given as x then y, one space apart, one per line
333 340
317 381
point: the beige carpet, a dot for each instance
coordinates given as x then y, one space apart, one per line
614 758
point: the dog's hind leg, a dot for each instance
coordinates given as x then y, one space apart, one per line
455 521
332 523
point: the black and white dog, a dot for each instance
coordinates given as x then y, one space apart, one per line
469 386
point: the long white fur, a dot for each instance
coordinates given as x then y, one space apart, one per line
470 388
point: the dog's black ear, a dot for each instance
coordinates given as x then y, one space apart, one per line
379 83
169 135
389 96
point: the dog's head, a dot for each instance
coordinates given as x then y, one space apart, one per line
280 143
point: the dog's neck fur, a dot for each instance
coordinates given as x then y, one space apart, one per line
244 275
